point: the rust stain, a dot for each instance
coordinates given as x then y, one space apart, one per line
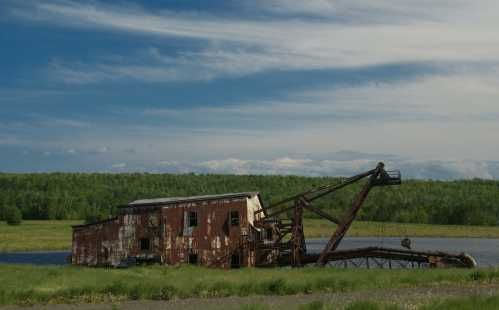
199 230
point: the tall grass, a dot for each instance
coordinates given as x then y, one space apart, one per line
29 284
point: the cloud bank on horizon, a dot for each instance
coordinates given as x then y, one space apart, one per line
320 87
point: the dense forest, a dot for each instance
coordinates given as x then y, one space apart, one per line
83 196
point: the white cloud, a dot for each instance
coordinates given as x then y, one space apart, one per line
441 169
445 116
285 166
380 11
452 97
461 33
119 166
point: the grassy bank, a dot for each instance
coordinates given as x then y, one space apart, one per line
36 236
56 235
29 284
315 228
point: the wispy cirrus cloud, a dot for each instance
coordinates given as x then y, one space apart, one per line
244 46
451 97
373 12
438 114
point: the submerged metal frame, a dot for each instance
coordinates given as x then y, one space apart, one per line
293 252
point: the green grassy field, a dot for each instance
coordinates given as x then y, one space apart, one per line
24 284
56 235
315 228
36 236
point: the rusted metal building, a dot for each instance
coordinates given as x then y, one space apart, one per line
205 230
234 230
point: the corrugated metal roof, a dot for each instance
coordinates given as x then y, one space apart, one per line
173 200
95 223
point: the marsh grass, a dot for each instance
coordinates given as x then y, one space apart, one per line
40 235
317 228
24 284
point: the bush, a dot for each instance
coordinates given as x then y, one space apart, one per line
93 217
13 216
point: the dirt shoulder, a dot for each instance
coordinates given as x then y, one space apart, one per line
407 297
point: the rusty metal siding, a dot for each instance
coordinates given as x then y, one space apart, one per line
214 240
96 245
137 226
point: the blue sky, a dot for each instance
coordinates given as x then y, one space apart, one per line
320 87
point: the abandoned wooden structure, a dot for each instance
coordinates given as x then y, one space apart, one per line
205 230
235 230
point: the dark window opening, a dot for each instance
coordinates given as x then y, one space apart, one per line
193 219
234 218
193 259
269 233
145 244
235 261
226 227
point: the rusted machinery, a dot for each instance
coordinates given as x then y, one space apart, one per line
285 240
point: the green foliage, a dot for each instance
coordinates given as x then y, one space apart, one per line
13 215
96 196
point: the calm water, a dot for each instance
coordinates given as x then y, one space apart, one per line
35 258
485 251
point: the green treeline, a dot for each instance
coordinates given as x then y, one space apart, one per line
80 196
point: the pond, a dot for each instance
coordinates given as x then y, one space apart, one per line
485 251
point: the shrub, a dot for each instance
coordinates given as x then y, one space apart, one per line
13 216
94 217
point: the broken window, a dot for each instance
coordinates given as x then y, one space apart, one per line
145 244
235 261
193 219
234 218
193 259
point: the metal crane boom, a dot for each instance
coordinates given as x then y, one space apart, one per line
298 202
